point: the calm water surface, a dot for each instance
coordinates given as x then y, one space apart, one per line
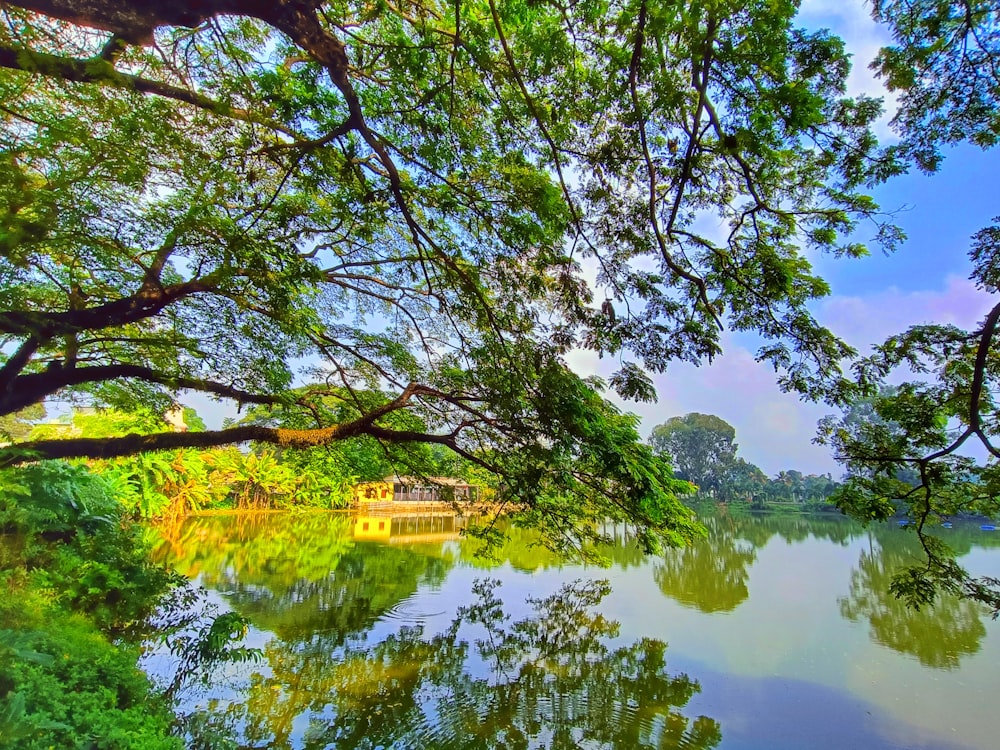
774 633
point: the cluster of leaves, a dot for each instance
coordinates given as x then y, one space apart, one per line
944 67
901 451
82 600
924 402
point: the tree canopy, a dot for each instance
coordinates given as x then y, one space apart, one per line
425 204
701 447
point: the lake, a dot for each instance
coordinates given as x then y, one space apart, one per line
775 632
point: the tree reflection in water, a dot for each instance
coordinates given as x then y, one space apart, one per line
938 636
710 575
550 680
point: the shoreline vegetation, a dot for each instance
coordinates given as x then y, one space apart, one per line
82 599
82 596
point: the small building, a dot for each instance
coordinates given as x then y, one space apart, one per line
415 490
373 492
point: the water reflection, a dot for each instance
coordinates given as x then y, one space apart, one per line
363 647
549 680
295 575
939 636
711 575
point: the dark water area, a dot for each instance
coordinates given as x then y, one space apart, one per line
775 632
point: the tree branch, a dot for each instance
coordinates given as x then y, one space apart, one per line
979 373
145 303
116 447
29 389
100 70
17 362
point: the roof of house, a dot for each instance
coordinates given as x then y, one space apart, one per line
423 481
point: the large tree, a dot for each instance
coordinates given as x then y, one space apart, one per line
414 200
701 447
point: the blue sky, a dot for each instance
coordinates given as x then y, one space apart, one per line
926 280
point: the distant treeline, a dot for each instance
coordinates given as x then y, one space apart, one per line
702 449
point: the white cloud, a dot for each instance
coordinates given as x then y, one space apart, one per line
773 429
852 22
866 320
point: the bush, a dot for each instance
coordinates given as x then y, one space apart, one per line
74 574
67 686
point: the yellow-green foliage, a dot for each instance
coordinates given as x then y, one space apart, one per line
169 484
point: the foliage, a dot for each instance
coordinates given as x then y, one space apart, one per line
939 635
908 447
74 575
19 424
407 200
938 64
700 446
902 461
743 481
167 485
76 690
335 468
554 680
198 639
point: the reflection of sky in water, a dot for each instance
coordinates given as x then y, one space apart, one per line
780 667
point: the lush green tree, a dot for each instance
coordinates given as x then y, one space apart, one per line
701 448
943 67
743 481
198 194
912 454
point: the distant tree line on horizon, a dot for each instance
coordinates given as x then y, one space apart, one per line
702 449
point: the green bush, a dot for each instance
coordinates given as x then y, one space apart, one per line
67 686
74 574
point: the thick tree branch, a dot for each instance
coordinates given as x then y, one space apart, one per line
16 363
100 70
136 21
979 373
29 389
145 303
116 447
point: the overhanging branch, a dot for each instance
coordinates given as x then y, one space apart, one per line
128 445
145 303
100 70
29 389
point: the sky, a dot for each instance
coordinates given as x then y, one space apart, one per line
925 280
